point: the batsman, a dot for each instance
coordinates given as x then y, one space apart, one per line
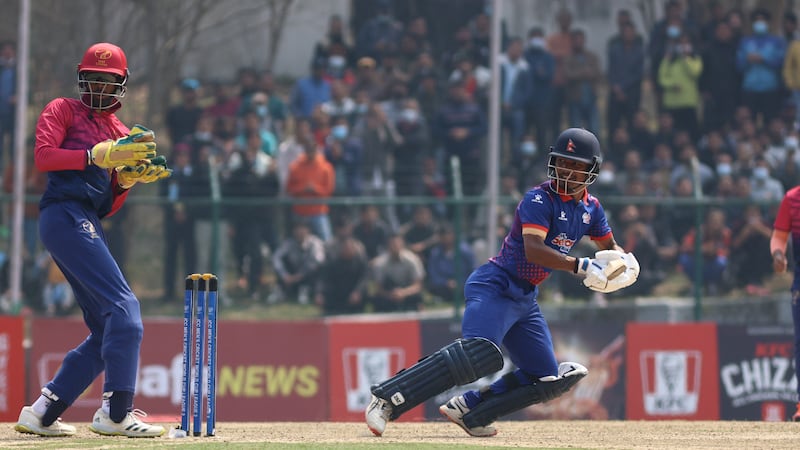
501 307
92 161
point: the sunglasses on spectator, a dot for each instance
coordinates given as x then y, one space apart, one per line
100 77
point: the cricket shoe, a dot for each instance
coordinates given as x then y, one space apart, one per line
31 423
455 409
378 413
131 426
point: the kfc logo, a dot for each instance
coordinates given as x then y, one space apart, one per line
671 382
364 367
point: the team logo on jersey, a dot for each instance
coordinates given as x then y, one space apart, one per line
563 216
563 243
570 146
88 228
537 198
587 218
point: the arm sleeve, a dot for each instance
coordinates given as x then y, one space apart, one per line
51 129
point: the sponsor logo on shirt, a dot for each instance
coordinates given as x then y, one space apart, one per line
563 243
563 216
587 218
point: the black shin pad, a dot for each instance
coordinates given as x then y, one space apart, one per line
459 363
517 397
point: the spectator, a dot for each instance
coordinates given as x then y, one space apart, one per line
338 34
223 104
344 152
395 98
760 60
340 104
343 277
684 168
443 281
248 85
582 72
182 118
672 26
253 123
432 183
678 77
789 26
636 234
292 148
398 275
473 77
311 176
337 66
751 263
515 91
179 232
296 263
368 79
626 57
414 146
763 186
462 126
791 73
541 66
275 103
380 138
715 248
372 231
380 33
253 175
720 82
420 234
8 96
641 136
560 46
310 91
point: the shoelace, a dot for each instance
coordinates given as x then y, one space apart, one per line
137 414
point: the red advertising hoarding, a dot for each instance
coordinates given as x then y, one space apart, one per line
672 371
267 371
12 368
365 353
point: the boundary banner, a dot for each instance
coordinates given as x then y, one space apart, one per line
12 367
266 371
672 371
756 372
365 353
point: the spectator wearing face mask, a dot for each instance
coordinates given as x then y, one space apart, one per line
625 72
344 152
672 26
541 67
678 77
760 60
764 187
410 152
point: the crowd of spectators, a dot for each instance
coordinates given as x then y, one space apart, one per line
382 111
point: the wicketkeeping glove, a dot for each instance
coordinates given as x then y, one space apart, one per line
144 172
137 146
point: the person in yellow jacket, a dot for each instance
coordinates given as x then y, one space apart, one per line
678 76
791 74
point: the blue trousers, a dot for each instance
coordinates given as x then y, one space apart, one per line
500 309
74 237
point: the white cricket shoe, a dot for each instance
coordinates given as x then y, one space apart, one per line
377 414
31 423
454 410
132 426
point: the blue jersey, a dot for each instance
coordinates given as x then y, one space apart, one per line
564 221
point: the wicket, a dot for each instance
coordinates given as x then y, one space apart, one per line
200 304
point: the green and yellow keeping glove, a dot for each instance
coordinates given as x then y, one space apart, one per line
137 146
147 171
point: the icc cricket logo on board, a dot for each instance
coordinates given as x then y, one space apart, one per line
670 382
364 367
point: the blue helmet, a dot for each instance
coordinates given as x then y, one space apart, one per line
579 145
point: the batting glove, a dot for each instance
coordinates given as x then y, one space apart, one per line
144 172
137 146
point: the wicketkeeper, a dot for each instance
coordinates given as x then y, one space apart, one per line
502 308
92 160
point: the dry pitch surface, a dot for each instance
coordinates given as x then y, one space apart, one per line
430 435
